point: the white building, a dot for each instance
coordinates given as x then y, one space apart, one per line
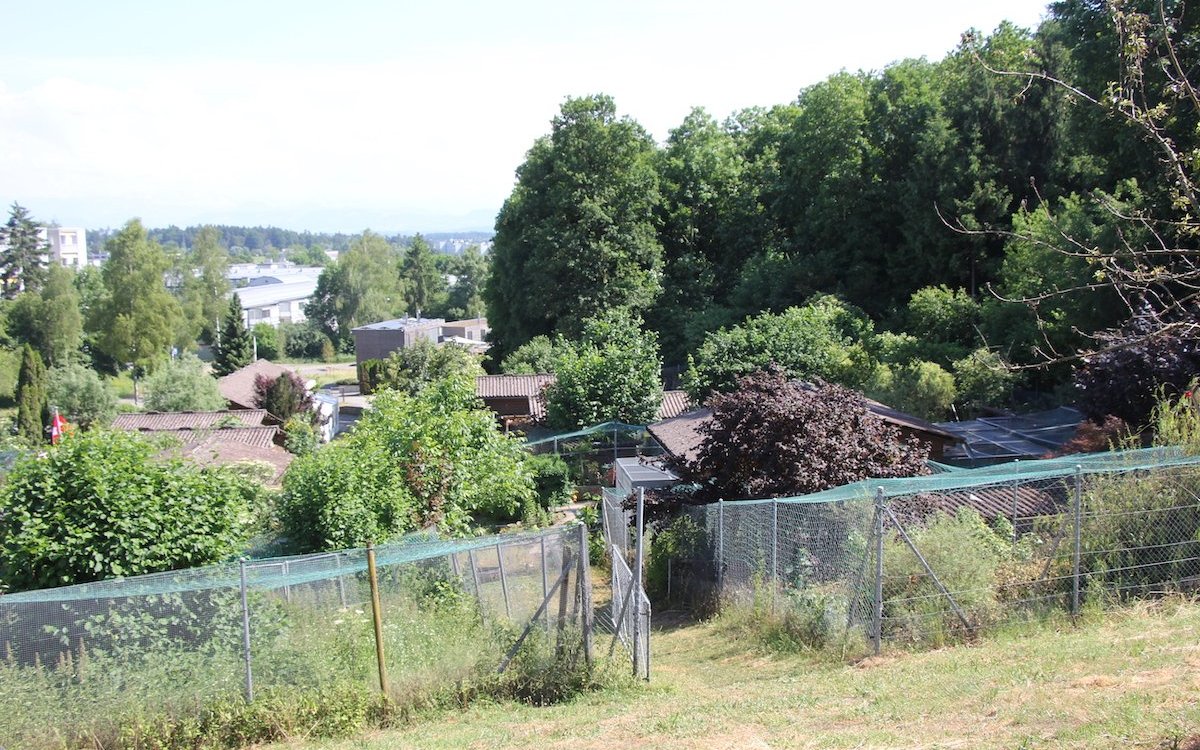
68 245
276 303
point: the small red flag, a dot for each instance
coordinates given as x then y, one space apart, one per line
57 427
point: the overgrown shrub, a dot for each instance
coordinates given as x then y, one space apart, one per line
680 549
965 553
103 504
267 339
81 395
283 397
923 389
299 435
183 385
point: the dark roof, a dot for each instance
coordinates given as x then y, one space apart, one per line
1005 438
155 421
238 387
898 418
680 435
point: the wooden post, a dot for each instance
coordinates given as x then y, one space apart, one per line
585 593
377 615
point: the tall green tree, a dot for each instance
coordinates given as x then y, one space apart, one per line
362 287
49 320
204 283
22 253
577 235
424 288
471 271
234 349
137 320
33 407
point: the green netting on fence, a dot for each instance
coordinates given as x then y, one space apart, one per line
1022 471
269 573
605 427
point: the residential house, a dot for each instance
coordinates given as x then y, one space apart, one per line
238 390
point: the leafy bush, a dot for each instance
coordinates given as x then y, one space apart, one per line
411 462
81 395
535 357
824 339
612 373
103 504
944 321
412 368
680 549
300 437
965 553
774 437
183 385
983 379
923 389
303 340
283 397
266 337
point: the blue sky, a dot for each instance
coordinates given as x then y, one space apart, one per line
397 116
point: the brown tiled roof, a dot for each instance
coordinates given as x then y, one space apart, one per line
238 387
674 403
511 386
155 421
218 451
990 502
898 418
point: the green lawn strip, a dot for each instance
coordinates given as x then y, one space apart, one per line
1127 678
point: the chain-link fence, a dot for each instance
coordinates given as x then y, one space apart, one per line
590 453
932 559
80 660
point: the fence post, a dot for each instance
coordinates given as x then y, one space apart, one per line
545 585
774 552
1078 513
1016 499
503 581
377 616
246 635
877 615
637 583
720 546
341 581
585 583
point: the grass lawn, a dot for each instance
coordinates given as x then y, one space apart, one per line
1129 678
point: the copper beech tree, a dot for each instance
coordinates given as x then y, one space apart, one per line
774 437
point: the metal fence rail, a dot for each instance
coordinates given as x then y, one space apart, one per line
420 613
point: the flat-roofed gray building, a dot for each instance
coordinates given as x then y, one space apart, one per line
378 340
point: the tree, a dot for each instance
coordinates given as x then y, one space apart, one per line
234 347
471 271
183 385
1134 87
33 408
920 388
612 373
411 369
411 462
283 397
825 339
362 287
266 340
103 504
425 288
49 320
23 256
576 237
204 283
137 320
535 357
81 396
774 437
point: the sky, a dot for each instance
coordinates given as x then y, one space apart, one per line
393 115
